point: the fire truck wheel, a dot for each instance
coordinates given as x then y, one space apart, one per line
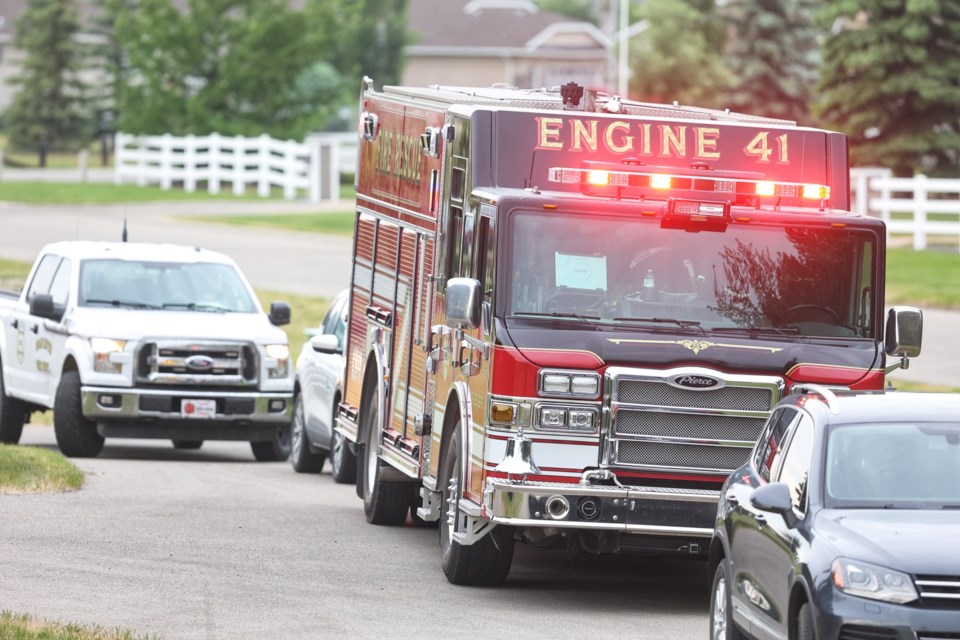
486 562
12 416
383 502
77 437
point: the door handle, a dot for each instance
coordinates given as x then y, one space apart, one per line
35 329
732 498
15 324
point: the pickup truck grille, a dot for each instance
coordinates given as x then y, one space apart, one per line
206 363
652 423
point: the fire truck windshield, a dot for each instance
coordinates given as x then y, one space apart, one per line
782 280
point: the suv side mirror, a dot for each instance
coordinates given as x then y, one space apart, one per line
279 313
773 497
325 343
904 332
463 302
41 305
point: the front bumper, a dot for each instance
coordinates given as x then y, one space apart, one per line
146 413
845 616
627 509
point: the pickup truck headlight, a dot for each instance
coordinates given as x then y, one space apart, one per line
871 581
281 354
102 349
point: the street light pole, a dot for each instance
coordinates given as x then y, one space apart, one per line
623 70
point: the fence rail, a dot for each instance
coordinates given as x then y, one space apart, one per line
919 206
214 161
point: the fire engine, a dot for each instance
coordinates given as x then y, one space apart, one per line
571 313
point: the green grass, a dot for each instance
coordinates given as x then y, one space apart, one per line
336 223
35 470
923 278
306 312
903 385
99 193
24 627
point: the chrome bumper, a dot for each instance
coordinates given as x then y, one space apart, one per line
133 404
628 509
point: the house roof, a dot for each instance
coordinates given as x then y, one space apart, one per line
442 26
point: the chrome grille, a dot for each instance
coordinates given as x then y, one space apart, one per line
939 590
207 363
654 424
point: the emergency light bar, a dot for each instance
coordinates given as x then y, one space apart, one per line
661 181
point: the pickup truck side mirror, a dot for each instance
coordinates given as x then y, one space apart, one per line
41 305
463 302
280 313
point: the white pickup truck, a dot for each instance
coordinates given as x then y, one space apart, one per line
144 341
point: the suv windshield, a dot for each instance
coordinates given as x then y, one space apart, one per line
891 466
200 286
796 280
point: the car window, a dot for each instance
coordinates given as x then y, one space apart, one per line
769 449
43 276
795 466
60 287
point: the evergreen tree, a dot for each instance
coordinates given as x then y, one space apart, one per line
373 40
49 107
774 54
891 81
107 57
677 58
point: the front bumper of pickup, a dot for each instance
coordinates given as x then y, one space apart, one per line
688 513
157 413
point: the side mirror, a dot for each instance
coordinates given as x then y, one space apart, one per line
279 313
325 343
41 305
775 498
463 302
904 332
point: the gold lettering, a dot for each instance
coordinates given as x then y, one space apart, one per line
627 144
583 134
707 142
645 149
549 133
673 137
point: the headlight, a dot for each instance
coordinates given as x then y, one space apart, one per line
567 418
280 353
870 581
569 383
102 348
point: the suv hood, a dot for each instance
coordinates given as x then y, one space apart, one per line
134 324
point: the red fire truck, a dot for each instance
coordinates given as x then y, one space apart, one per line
572 313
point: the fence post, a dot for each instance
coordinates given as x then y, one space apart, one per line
239 165
920 212
190 164
83 159
213 160
263 155
313 172
166 162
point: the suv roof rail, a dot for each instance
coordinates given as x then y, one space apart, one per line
825 394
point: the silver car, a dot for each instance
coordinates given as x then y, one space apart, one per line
316 397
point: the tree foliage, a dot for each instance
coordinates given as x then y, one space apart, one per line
237 67
774 56
891 81
374 34
678 56
49 105
583 10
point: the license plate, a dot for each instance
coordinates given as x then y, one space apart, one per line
198 408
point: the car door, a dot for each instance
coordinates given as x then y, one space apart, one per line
749 532
320 376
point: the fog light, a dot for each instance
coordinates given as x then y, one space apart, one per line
552 417
108 401
580 419
278 405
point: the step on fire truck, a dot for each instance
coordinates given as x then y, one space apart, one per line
572 313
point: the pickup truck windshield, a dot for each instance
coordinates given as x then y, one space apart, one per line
763 279
200 286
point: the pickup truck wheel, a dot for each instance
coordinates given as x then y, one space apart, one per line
77 437
187 444
486 562
275 450
383 502
12 415
302 459
343 462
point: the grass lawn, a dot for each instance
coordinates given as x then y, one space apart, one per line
24 627
36 470
337 223
99 193
923 278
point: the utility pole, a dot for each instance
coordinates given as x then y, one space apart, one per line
623 69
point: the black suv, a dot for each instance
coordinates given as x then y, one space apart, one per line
844 523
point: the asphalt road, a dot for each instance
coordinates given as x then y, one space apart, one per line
210 544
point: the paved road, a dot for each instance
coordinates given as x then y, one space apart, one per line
209 544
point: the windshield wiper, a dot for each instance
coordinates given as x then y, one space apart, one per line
196 306
122 303
685 324
556 314
792 331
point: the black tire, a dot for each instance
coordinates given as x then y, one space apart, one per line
187 444
302 459
485 563
385 503
275 450
12 415
722 626
77 436
343 461
806 625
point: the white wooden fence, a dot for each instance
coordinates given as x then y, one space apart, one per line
917 206
215 160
